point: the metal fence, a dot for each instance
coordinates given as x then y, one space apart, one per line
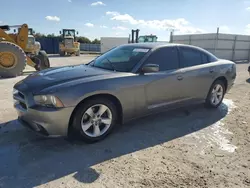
224 46
90 47
51 45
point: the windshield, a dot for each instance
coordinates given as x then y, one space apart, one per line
69 33
31 40
147 39
121 59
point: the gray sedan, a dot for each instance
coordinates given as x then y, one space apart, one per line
127 82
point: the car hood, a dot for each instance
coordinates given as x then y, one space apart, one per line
54 76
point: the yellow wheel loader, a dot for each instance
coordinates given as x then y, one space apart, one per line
69 46
14 54
33 46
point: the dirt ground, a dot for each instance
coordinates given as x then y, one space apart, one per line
182 148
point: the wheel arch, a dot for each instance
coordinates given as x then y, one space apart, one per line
110 97
224 80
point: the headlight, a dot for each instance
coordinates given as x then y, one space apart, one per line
48 101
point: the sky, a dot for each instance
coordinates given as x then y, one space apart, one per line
108 18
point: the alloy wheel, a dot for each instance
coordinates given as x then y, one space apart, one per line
217 94
96 120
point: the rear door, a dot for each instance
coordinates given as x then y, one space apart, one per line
197 73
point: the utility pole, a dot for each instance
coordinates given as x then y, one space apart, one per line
216 40
172 30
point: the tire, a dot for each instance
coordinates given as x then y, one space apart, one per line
42 61
78 53
61 53
79 115
209 100
21 60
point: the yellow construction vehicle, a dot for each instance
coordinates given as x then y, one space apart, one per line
69 46
14 54
33 46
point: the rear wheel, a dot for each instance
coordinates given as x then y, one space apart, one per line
78 53
12 60
94 120
61 53
216 94
41 60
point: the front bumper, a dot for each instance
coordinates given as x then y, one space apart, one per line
45 121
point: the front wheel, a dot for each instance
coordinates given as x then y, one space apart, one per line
94 120
216 94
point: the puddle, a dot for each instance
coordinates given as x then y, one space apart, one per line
216 134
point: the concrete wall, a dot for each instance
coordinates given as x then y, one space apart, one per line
110 42
225 46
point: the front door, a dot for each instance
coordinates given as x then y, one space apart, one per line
163 88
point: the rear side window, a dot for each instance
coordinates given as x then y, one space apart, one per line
204 58
166 58
212 58
190 57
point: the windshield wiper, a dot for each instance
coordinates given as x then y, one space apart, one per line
111 64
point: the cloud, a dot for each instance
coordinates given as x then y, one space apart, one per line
248 8
224 29
103 26
112 13
70 1
53 18
97 3
120 28
89 25
181 25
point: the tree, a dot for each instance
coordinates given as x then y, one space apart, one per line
84 40
96 41
51 35
39 35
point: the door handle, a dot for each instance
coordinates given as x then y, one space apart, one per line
179 77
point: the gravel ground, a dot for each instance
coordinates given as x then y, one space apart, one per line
182 148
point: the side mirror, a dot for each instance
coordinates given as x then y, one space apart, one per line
77 32
60 32
149 68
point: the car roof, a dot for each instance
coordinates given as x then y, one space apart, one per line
148 45
154 45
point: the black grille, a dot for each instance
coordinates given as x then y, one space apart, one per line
21 100
21 95
23 105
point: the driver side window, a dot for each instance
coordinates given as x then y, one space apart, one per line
166 58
